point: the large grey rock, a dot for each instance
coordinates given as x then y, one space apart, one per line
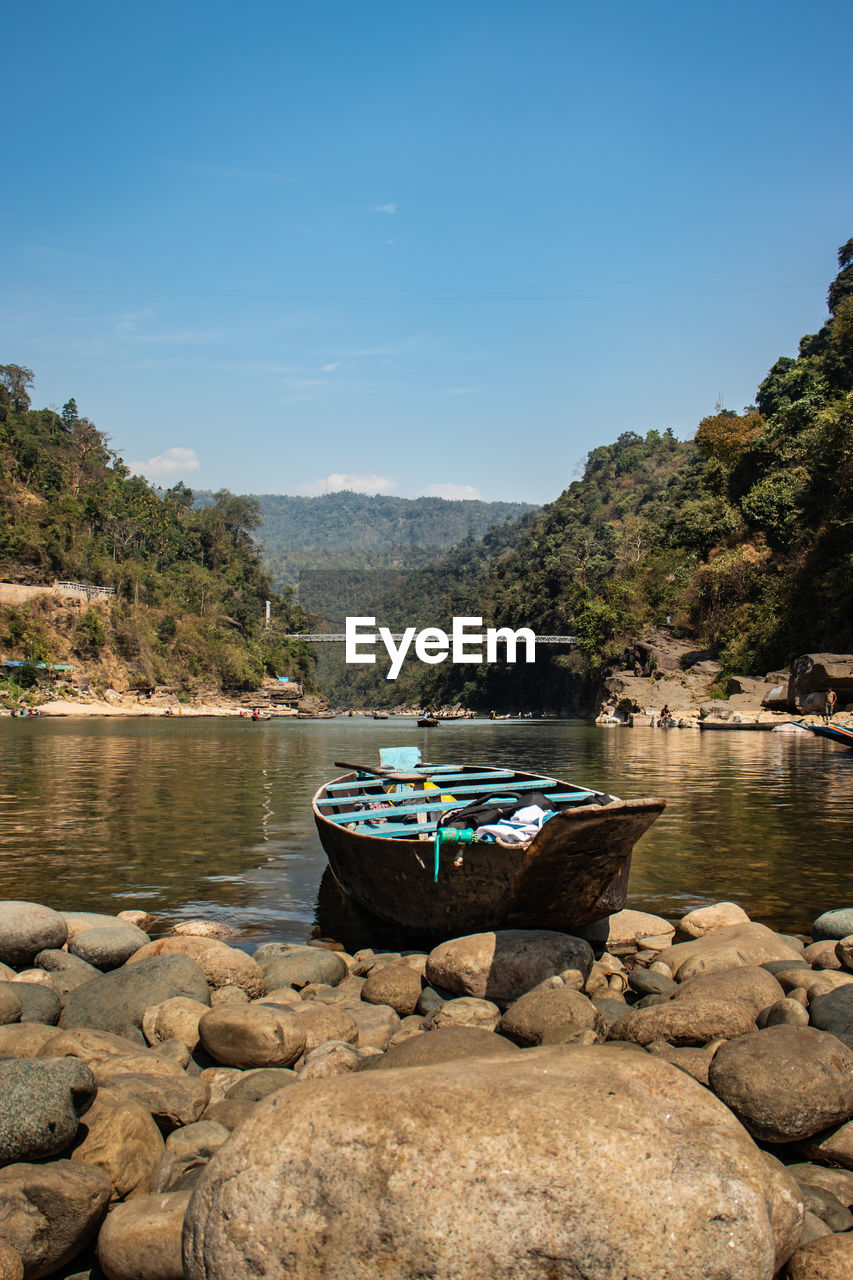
749 985
222 966
117 1001
38 1003
49 1212
26 928
833 1012
520 1193
549 1015
504 965
299 966
785 1083
684 1022
141 1240
109 946
41 1102
833 925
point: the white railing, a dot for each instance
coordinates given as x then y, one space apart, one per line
85 588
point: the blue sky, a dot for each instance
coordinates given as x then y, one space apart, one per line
414 249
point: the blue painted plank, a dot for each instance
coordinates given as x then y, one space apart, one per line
441 776
399 811
469 792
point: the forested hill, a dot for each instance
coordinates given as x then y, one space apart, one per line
190 587
357 530
743 536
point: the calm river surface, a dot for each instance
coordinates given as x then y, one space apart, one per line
194 817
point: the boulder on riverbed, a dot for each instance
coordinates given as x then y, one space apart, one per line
446 1174
504 965
785 1083
26 928
117 1001
41 1102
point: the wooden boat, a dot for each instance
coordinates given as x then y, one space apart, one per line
836 732
378 830
747 726
380 715
428 722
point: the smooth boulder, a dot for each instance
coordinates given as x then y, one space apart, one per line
108 946
785 1083
41 1101
504 965
457 1181
254 1035
117 1001
141 1240
50 1212
26 928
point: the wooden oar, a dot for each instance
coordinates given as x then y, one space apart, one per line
381 771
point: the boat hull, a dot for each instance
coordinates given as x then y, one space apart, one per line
575 870
835 733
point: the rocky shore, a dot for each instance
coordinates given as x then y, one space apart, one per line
653 1101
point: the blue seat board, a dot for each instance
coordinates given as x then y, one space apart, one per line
443 776
486 792
400 811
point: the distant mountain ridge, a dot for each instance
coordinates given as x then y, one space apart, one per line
346 529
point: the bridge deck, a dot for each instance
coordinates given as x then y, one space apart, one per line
338 637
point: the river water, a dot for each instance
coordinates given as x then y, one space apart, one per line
197 817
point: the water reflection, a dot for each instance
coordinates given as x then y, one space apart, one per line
189 817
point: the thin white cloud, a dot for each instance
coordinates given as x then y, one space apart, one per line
385 208
330 368
338 480
171 463
451 490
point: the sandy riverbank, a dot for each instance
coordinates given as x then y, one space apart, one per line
121 707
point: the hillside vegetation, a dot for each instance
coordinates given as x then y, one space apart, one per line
190 585
743 537
365 531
